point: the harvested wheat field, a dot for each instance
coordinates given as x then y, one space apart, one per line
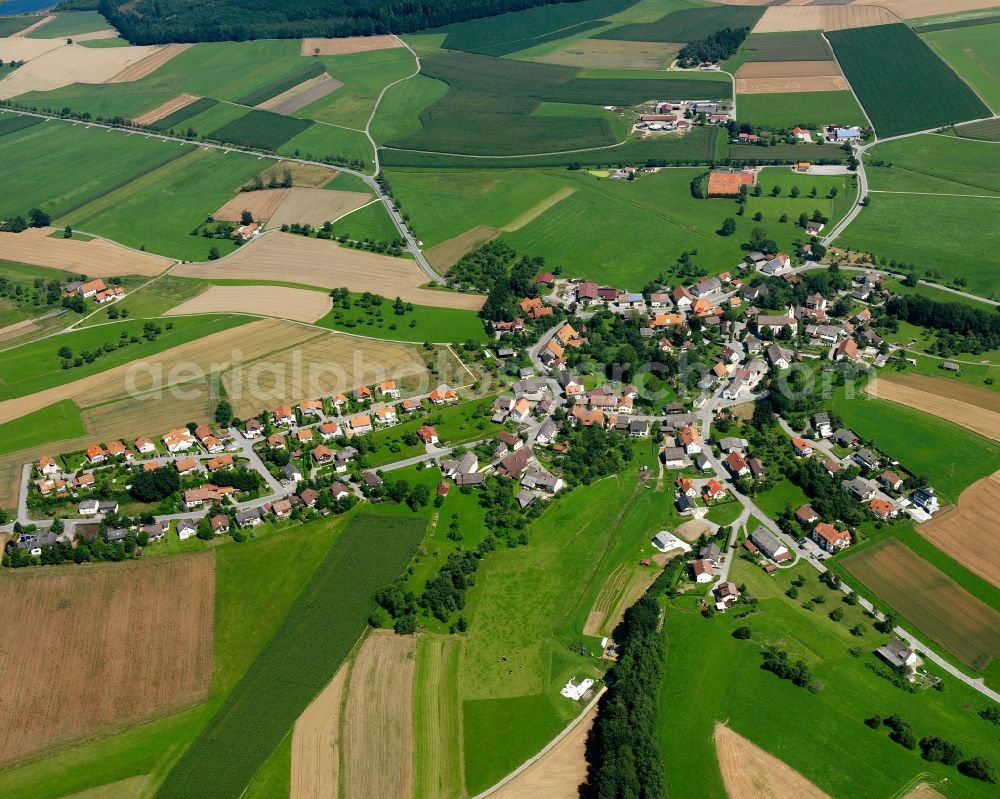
156 114
609 54
94 258
786 18
314 262
445 255
751 773
300 305
378 718
312 176
320 365
87 669
130 418
107 33
136 70
316 743
936 605
910 9
948 401
316 206
262 204
970 532
832 83
559 771
17 48
944 387
76 64
298 97
788 69
349 44
923 791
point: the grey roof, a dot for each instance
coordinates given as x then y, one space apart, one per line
731 442
245 516
673 454
766 541
710 551
525 498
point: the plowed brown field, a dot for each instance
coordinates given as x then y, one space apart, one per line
970 532
349 44
283 257
751 773
378 718
94 258
86 649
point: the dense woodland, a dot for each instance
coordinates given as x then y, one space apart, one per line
717 47
961 328
162 21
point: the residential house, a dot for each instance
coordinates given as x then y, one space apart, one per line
89 507
847 350
769 544
702 571
388 389
682 298
47 465
714 491
515 464
386 416
706 285
411 405
116 449
806 516
638 428
186 528
512 441
85 480
890 480
275 441
428 434
338 491
686 486
328 430
213 444
284 416
220 524
322 454
91 288
303 435
547 432
773 323
726 594
219 462
925 499
689 438
845 438
867 459
883 509
673 457
254 428
777 265
898 655
145 446
443 394
859 488
186 465
179 440
711 553
702 462
757 469
821 424
96 454
541 480
311 408
802 448
733 444
685 505
736 465
830 538
832 467
362 393
290 473
521 410
250 517
360 424
281 508
342 457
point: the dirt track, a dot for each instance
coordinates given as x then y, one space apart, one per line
350 44
316 743
970 532
378 718
284 303
558 773
943 402
749 772
158 113
86 648
95 258
312 262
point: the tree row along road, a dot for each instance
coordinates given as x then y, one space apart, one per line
394 214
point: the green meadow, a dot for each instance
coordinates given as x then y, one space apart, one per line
730 687
973 53
153 299
370 222
51 423
70 23
805 109
399 112
320 141
35 366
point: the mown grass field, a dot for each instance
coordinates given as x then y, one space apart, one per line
973 53
988 130
9 25
152 300
35 366
399 112
321 142
802 109
58 421
731 687
909 88
70 23
161 218
951 457
58 167
687 25
301 657
437 758
423 323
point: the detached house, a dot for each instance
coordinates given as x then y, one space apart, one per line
830 538
283 415
802 448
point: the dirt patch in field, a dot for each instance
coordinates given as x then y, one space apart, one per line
445 255
751 773
923 791
300 305
316 206
283 257
136 70
176 104
936 605
607 597
970 532
91 648
316 743
948 401
788 17
378 718
609 54
349 44
262 204
95 258
558 773
692 530
34 26
784 85
536 211
788 69
300 96
77 64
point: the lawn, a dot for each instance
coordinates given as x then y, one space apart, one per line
934 164
731 687
422 323
320 628
909 88
52 423
800 109
162 219
58 167
783 495
369 223
973 53
952 458
35 366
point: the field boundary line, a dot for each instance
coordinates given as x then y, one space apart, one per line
566 731
936 194
378 102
